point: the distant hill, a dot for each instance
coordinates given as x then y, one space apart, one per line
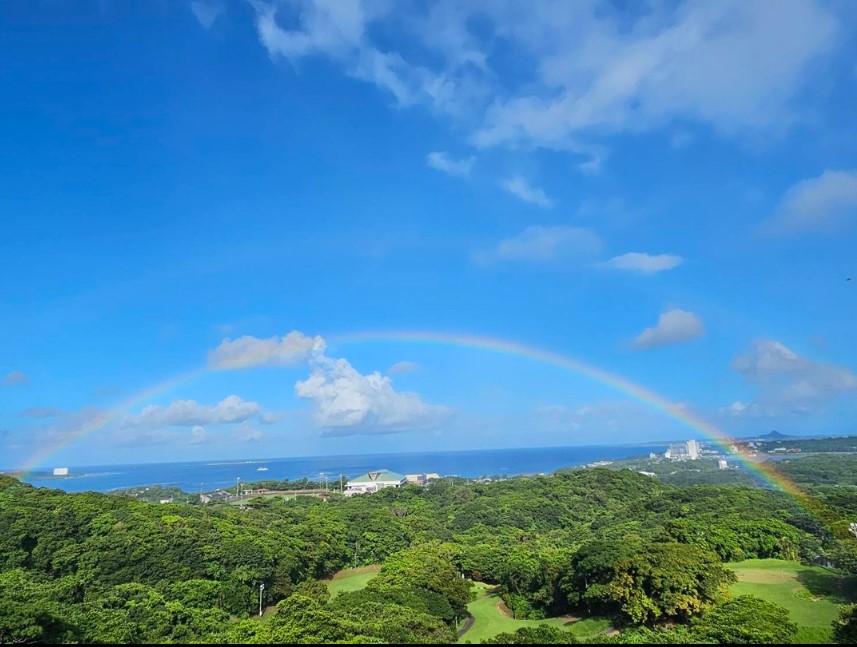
775 435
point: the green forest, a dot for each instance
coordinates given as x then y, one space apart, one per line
643 560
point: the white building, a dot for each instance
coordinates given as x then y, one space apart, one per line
722 464
692 449
374 481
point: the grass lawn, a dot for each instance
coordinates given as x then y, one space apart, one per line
489 620
351 579
812 594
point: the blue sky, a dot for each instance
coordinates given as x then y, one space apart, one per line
667 192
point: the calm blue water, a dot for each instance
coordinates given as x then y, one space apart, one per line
212 475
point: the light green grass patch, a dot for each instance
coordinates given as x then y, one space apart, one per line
812 594
351 579
490 619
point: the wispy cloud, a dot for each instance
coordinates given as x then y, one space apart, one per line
15 378
207 11
643 263
737 67
41 412
824 203
292 349
539 244
523 190
673 327
443 162
402 367
786 383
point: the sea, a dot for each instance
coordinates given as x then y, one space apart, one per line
206 476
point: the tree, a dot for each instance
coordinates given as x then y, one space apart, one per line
747 620
845 626
534 636
646 582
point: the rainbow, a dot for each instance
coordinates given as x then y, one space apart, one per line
635 391
104 418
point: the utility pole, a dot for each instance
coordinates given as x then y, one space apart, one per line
237 487
341 489
261 588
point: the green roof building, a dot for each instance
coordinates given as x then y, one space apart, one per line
374 481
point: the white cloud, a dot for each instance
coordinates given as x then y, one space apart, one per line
443 162
15 378
198 435
586 70
290 350
545 244
343 400
788 384
189 413
346 402
823 203
207 11
521 189
674 327
402 367
643 263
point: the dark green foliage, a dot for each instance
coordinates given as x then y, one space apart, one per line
535 636
746 620
845 626
645 581
96 568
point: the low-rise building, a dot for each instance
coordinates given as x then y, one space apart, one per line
374 481
420 479
214 497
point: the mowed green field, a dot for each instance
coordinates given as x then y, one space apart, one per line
490 619
812 594
351 579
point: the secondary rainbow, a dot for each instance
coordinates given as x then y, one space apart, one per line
635 391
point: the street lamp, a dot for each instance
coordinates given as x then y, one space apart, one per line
261 588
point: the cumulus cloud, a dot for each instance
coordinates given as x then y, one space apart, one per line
290 350
189 413
343 401
402 367
207 11
589 70
41 412
523 190
643 263
443 162
346 402
823 203
674 327
788 384
15 378
545 244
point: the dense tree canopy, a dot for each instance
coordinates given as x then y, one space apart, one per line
98 568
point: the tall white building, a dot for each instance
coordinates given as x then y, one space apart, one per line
692 449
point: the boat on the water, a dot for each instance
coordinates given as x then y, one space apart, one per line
261 469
